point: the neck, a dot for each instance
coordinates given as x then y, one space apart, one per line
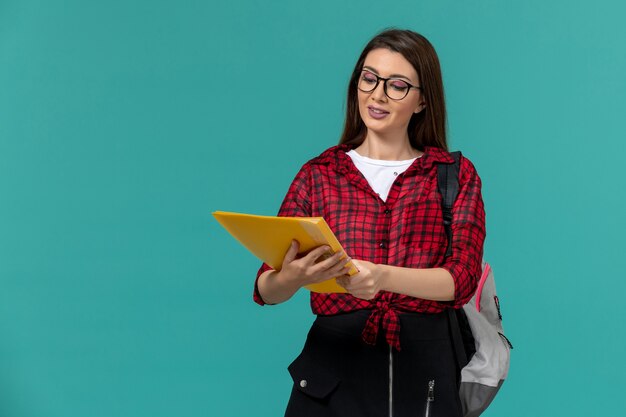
376 146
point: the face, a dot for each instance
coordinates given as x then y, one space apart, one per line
380 113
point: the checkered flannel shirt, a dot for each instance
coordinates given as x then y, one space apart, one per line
406 230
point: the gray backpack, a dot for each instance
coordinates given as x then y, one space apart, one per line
482 350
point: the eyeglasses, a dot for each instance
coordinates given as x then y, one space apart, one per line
394 88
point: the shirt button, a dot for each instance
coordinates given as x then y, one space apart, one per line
382 245
303 383
387 211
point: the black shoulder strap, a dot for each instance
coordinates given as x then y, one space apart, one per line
448 185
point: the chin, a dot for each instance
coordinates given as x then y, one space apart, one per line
377 127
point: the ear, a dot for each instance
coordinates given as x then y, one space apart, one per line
419 107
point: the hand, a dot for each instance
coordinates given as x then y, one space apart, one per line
309 269
367 283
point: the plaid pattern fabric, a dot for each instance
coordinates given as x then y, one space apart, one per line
406 230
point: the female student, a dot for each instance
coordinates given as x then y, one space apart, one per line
384 347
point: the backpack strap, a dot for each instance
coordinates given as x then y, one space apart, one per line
448 185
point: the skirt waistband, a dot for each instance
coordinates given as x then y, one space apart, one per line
413 325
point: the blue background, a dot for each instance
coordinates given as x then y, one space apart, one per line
124 124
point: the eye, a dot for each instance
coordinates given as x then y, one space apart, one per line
398 85
368 78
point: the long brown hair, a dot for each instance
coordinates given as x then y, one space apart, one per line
426 128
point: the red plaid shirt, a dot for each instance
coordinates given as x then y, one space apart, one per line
406 230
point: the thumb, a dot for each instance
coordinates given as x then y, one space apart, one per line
292 252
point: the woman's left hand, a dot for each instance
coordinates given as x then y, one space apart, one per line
366 283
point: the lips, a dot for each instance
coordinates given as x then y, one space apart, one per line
376 113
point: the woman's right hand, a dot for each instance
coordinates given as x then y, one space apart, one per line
308 269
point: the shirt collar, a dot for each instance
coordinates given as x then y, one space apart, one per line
337 159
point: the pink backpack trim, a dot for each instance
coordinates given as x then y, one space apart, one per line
481 284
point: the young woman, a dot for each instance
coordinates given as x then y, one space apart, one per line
384 347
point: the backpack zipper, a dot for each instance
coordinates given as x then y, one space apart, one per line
430 397
497 301
506 339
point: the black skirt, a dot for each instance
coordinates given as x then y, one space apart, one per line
339 375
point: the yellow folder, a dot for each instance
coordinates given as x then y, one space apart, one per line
269 238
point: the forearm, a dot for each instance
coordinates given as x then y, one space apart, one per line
428 283
274 289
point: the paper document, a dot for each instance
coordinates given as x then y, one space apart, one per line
269 238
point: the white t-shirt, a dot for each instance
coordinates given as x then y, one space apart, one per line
380 174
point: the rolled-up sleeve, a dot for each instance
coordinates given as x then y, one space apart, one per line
295 204
468 235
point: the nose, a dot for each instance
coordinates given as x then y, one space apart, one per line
378 93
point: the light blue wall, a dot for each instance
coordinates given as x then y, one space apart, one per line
123 124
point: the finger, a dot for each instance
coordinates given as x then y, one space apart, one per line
318 255
340 273
312 256
347 262
341 270
336 271
345 270
292 252
334 262
356 279
325 275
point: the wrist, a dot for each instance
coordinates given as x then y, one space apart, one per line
383 276
286 280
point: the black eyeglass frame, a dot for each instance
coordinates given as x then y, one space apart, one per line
378 79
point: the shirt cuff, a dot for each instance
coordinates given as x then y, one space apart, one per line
257 295
464 283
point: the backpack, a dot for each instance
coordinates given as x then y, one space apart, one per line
482 350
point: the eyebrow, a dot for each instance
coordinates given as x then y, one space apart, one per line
391 76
